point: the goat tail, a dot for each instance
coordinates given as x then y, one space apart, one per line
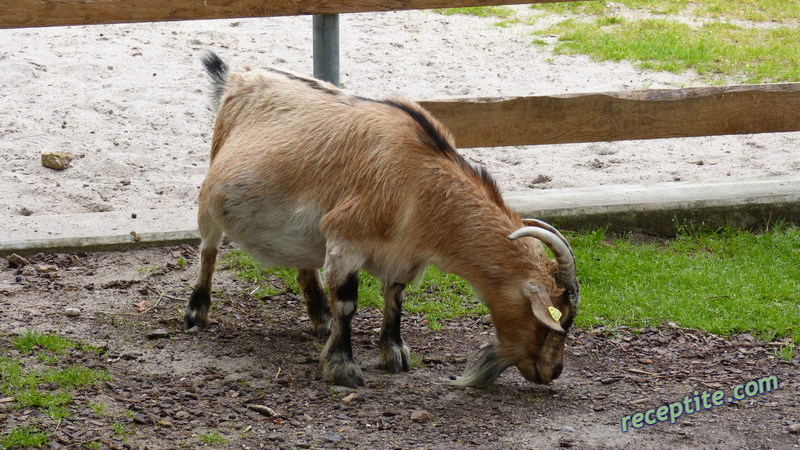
218 71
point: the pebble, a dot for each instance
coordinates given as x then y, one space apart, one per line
158 334
350 398
45 268
334 437
421 416
57 160
72 312
568 429
795 428
17 261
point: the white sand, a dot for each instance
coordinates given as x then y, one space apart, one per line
131 102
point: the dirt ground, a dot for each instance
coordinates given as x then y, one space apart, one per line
170 388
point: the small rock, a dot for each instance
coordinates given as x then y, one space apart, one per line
141 419
334 437
72 312
646 361
795 428
17 261
26 211
166 423
486 320
568 429
45 268
421 416
672 325
58 160
158 334
350 398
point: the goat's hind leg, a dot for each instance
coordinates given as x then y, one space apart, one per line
319 311
196 315
395 354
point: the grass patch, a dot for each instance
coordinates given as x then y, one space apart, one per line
439 296
720 281
500 12
28 436
33 383
754 10
213 438
713 50
31 341
273 281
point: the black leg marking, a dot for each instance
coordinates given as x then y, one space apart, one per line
196 314
395 354
316 301
337 358
197 310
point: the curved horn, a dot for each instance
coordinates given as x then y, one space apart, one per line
555 241
548 227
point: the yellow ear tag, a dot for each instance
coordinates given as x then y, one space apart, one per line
555 313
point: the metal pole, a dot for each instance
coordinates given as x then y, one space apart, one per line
326 48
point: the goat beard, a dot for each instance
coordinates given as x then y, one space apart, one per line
488 365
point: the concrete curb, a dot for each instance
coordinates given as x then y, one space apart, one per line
658 209
653 209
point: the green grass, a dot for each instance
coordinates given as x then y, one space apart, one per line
120 432
438 296
31 341
28 436
753 10
213 438
713 50
721 281
33 383
272 281
500 12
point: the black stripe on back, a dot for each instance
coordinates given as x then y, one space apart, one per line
438 140
312 83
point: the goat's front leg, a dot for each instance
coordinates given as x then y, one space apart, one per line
337 360
395 354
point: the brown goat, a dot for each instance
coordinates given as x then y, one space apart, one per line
304 175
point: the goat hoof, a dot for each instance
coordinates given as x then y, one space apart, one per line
396 358
344 373
192 321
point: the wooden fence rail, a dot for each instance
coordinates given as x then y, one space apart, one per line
42 13
615 116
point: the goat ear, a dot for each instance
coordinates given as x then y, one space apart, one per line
542 308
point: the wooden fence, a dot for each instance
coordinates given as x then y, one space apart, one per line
480 122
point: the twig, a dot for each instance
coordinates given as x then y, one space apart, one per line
177 299
265 410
